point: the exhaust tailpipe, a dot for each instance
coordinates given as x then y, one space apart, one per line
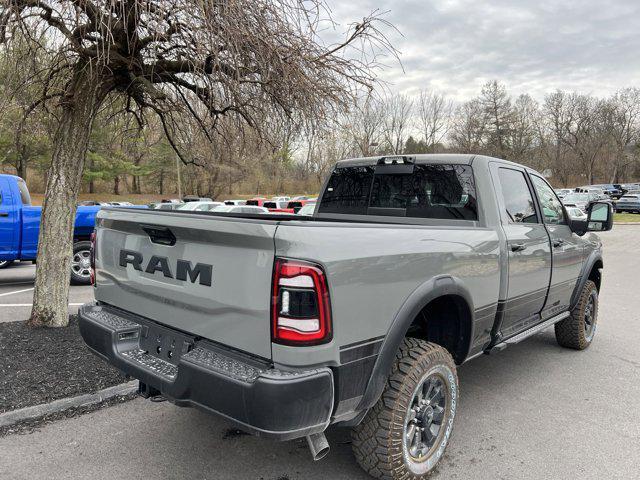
318 445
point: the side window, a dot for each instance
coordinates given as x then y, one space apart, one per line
517 197
551 207
24 192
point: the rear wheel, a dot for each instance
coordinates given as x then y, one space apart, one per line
5 263
81 263
578 330
406 433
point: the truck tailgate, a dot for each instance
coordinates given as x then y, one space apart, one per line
151 277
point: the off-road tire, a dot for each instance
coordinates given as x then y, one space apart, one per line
571 332
75 278
378 441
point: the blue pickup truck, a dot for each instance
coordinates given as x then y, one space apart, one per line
20 225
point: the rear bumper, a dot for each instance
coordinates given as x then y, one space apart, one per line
244 389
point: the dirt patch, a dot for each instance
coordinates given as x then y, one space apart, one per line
39 365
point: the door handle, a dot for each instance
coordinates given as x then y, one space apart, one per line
4 214
517 247
558 242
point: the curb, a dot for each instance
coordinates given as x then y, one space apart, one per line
37 411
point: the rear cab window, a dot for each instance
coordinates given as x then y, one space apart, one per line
430 191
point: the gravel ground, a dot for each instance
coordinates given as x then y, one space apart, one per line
41 365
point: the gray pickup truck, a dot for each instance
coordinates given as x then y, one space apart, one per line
355 316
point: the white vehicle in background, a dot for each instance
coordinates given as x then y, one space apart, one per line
120 204
576 214
235 202
308 209
199 206
563 192
239 209
280 199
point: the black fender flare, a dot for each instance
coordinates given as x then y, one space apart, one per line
594 257
430 290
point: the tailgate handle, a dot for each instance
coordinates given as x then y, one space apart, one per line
160 235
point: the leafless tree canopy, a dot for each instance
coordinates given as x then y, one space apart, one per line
245 58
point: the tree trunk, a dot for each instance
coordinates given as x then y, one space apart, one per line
161 182
22 164
116 185
80 105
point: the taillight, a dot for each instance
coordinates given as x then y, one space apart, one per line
301 312
92 258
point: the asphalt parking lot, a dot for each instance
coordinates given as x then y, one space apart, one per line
16 292
534 411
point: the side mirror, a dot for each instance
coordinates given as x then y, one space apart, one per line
600 217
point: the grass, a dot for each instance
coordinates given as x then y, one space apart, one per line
626 217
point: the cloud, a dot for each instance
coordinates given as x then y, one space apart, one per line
533 46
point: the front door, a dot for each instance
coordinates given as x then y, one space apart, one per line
529 251
567 249
9 234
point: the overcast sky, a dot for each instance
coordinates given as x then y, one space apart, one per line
535 46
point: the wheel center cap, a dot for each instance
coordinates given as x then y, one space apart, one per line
427 414
85 263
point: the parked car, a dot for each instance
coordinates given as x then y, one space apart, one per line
583 200
610 190
167 206
308 209
90 203
203 206
256 201
356 316
562 192
629 203
120 204
300 197
239 209
20 227
294 205
195 198
276 206
235 202
576 213
281 199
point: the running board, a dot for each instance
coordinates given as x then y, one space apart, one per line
527 333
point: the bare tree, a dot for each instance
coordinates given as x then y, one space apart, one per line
434 112
623 122
398 115
469 127
583 131
365 122
247 59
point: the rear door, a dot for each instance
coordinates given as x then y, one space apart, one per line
9 222
528 247
567 248
206 275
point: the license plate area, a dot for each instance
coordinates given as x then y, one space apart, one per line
165 343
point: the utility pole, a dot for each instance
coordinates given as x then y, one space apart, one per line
179 180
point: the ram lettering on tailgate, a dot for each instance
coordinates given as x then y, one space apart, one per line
201 272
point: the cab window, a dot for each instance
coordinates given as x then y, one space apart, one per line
552 210
517 197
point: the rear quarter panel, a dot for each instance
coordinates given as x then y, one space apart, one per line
372 270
